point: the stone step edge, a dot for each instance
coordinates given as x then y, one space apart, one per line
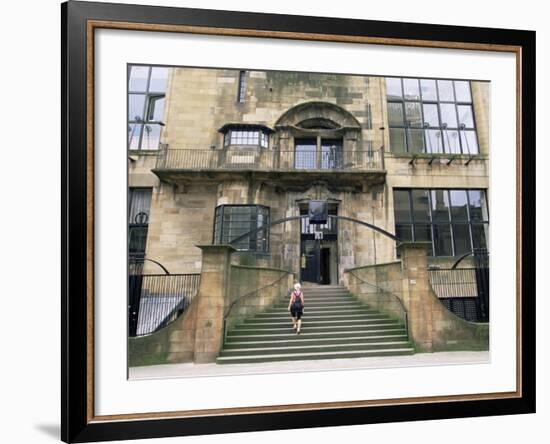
309 322
351 338
292 347
338 353
336 313
323 305
310 315
240 330
323 302
312 333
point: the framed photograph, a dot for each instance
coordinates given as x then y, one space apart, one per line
275 221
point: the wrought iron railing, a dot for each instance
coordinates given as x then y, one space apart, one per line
154 301
267 159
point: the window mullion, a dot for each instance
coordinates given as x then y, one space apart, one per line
431 221
422 123
451 220
405 123
149 70
441 129
413 227
458 124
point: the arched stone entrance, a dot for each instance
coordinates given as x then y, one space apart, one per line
318 134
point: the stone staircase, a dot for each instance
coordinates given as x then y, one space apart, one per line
335 325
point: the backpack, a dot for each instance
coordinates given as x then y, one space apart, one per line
297 300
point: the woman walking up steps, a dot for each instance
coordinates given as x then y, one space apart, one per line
296 307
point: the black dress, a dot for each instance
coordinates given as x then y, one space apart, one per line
297 305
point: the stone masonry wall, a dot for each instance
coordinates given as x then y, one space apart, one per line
200 101
379 286
432 327
178 222
253 289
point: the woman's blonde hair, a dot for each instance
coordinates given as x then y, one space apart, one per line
297 286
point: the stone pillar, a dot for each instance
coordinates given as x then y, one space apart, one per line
417 295
211 297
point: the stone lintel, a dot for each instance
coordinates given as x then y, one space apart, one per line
414 245
217 248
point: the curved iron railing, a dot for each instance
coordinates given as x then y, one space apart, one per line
155 301
383 290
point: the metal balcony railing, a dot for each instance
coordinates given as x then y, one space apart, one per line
267 159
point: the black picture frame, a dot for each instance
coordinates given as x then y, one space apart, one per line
78 423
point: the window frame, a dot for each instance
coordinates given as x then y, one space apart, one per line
241 87
218 235
413 223
443 128
263 136
151 96
136 225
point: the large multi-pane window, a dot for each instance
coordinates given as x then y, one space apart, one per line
139 204
233 221
454 221
431 116
146 96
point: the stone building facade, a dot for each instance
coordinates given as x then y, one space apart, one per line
216 153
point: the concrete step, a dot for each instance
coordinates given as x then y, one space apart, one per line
315 323
335 325
299 340
253 329
328 298
315 348
292 336
313 355
312 312
316 318
348 303
340 304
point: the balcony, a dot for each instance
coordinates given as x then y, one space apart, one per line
329 165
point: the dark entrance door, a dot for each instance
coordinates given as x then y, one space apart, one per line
318 250
310 261
324 266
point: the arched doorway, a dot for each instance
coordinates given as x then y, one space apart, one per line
319 245
317 135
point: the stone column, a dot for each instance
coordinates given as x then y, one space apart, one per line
417 295
211 297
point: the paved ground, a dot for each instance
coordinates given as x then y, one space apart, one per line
200 370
